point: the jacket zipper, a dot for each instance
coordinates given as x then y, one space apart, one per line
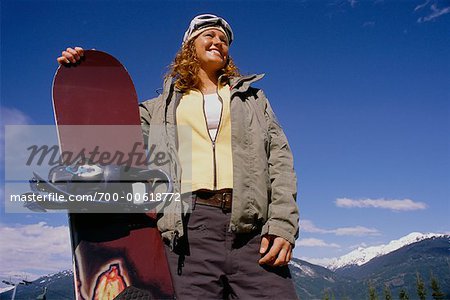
214 166
213 141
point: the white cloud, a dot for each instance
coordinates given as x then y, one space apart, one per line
13 116
308 226
420 6
433 12
319 261
34 249
392 204
17 152
369 24
356 231
10 116
436 12
312 242
352 2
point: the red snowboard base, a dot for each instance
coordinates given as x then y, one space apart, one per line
111 251
115 251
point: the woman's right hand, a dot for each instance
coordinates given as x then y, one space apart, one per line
70 55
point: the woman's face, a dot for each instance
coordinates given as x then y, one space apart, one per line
211 47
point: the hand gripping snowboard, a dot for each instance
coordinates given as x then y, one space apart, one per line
115 255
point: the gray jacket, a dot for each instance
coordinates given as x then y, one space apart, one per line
264 181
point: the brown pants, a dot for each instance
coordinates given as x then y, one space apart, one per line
212 263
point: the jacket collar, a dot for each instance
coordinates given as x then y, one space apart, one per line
242 84
237 85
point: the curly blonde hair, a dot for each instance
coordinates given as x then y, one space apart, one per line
185 67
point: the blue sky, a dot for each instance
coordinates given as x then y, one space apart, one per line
360 88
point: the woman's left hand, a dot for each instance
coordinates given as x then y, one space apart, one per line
277 250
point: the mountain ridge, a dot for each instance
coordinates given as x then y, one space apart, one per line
363 255
396 270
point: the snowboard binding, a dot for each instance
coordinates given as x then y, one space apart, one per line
92 188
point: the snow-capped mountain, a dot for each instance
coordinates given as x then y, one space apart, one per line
55 276
60 286
5 289
304 268
397 269
362 255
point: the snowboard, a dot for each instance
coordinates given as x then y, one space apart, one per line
120 254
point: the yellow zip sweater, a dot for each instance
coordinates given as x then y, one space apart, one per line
205 164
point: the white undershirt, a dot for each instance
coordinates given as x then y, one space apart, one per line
213 109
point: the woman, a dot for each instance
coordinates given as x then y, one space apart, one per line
238 237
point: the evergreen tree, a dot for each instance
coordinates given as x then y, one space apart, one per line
326 296
372 292
437 294
387 293
403 295
421 291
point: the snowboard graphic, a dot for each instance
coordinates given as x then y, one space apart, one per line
117 255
